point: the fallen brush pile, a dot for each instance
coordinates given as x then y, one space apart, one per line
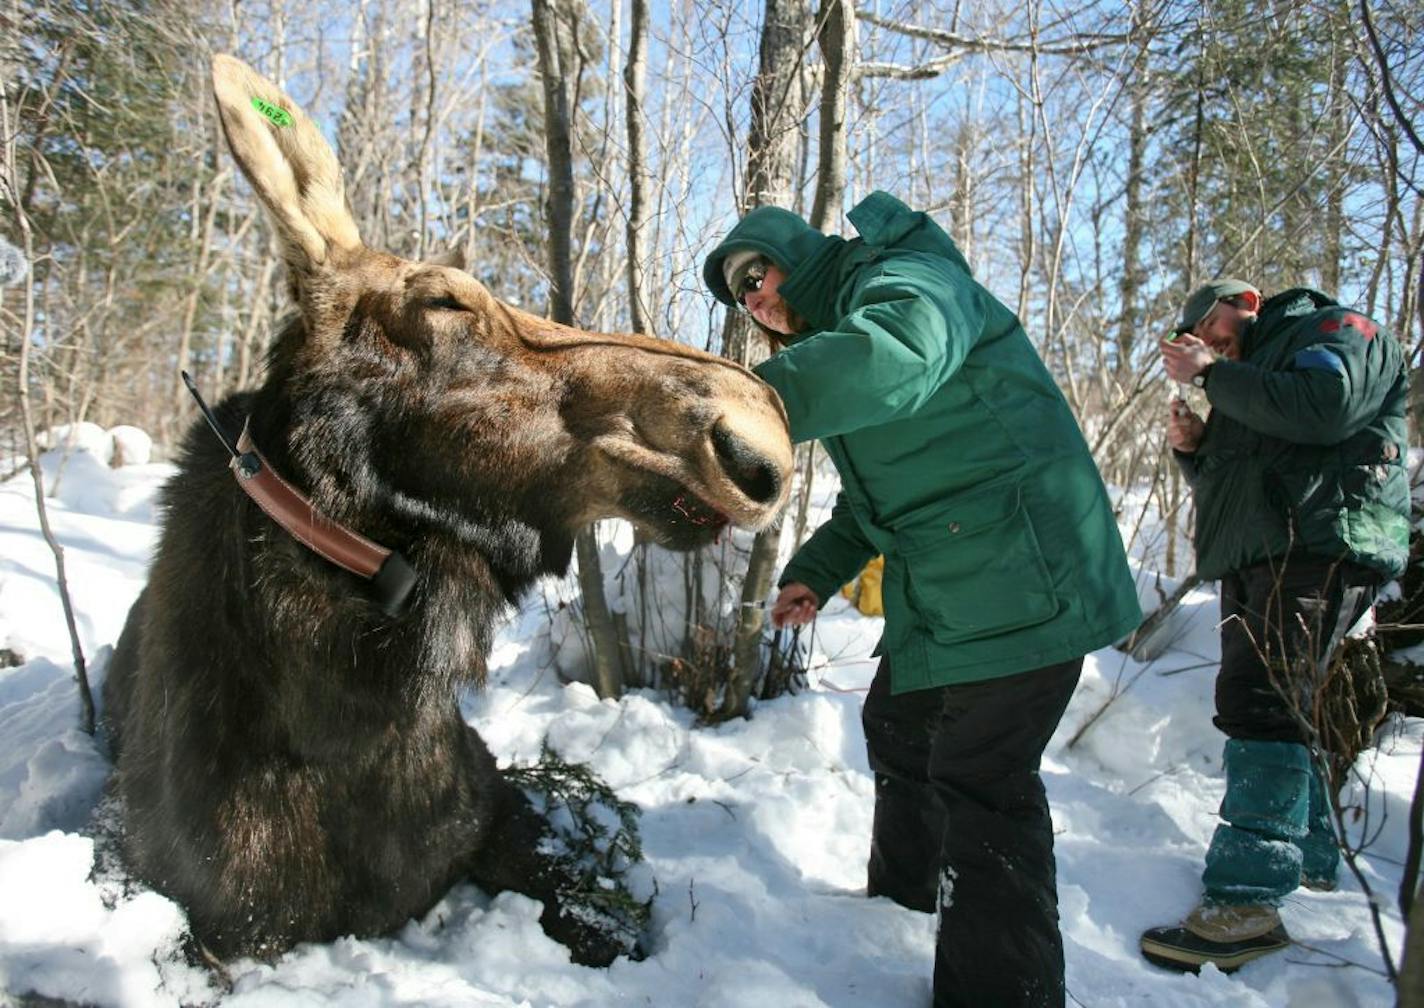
596 840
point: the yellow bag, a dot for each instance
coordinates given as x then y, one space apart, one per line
864 591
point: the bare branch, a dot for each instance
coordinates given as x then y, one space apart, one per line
1386 80
1067 46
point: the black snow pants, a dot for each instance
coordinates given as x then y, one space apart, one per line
962 827
1280 623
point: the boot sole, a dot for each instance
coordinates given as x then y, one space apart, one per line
1192 954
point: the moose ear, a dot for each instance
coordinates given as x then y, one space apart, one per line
288 162
453 258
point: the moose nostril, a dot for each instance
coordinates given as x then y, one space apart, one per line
755 475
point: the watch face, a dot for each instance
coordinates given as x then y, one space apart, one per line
1199 380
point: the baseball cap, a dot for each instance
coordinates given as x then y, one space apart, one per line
1208 294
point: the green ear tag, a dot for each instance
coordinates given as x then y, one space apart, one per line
278 115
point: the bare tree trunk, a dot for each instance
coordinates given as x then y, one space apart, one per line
1174 480
634 82
1411 974
835 34
635 76
203 235
771 170
1411 310
1027 211
635 71
258 330
423 112
1134 223
807 461
555 55
1335 223
772 140
558 147
11 178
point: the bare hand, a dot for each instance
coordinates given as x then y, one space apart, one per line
1184 428
1185 357
794 606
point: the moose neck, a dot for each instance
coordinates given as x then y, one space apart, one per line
387 572
469 566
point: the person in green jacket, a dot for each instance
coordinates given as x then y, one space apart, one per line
1302 506
961 462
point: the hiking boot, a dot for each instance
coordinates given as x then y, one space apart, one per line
1229 936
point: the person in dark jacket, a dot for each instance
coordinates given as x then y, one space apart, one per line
1302 504
961 462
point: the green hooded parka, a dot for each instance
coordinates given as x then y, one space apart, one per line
1305 446
959 459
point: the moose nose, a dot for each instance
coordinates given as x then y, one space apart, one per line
754 474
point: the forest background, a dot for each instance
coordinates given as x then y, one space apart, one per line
1093 160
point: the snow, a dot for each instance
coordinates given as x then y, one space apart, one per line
756 832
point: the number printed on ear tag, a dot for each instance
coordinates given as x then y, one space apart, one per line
278 115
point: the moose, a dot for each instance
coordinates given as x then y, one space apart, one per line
290 761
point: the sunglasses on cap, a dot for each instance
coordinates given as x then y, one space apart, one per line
1235 300
749 279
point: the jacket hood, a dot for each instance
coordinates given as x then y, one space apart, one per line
1296 302
818 266
778 234
885 222
815 290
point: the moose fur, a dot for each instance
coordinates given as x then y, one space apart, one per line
291 762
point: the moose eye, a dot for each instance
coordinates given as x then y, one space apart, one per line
445 303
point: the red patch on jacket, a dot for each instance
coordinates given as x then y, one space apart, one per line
1366 328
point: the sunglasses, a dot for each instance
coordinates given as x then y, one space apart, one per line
1234 301
750 281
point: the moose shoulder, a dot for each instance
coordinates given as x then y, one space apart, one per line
290 759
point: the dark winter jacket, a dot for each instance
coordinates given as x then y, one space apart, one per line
959 458
1304 449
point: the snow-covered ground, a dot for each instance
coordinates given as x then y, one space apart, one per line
756 831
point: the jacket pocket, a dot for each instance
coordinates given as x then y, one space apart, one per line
974 567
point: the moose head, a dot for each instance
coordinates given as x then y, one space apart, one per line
416 398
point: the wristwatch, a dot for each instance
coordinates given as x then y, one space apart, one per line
1199 379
